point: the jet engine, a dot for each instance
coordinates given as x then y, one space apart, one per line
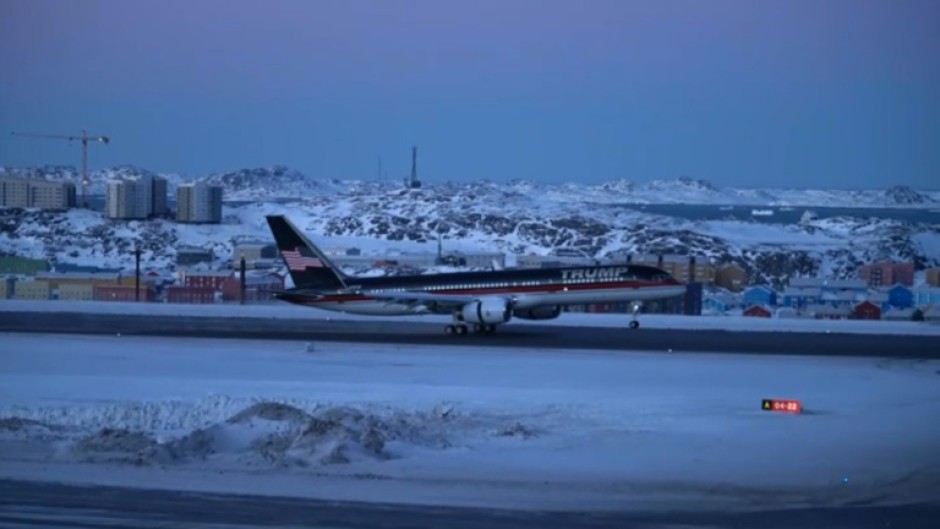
548 312
486 311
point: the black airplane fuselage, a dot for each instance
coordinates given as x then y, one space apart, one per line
525 288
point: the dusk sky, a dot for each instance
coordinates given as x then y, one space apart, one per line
795 93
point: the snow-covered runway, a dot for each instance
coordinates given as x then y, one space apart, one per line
285 311
495 427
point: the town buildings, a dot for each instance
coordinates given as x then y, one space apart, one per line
731 277
43 194
932 277
198 275
199 203
684 268
760 295
136 197
887 273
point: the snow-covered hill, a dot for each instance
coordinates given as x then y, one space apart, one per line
97 180
280 182
520 218
692 191
270 183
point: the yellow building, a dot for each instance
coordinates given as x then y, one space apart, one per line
705 273
731 276
933 277
32 290
6 287
77 291
686 272
57 279
684 268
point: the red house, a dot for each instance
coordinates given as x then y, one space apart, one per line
757 311
124 293
257 288
213 280
155 278
179 294
866 310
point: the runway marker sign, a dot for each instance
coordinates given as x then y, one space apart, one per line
781 405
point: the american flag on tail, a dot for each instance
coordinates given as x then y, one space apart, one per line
296 261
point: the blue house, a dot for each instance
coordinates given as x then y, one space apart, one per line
855 286
719 303
928 295
800 297
760 295
900 296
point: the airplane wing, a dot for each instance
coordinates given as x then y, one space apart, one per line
445 302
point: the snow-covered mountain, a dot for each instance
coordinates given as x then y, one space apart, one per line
519 217
280 182
906 195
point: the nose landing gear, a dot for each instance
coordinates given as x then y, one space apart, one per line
635 309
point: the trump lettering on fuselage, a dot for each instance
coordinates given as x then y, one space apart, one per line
614 273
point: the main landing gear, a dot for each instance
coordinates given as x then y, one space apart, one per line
462 329
455 329
635 309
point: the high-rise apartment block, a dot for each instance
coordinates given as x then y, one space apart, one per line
140 197
23 193
199 202
159 196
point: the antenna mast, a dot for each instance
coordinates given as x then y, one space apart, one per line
413 181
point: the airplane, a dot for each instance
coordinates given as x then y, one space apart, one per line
483 299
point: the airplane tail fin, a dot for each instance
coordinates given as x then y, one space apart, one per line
307 265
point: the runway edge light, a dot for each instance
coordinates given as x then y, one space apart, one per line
781 405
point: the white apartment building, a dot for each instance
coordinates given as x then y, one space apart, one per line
199 202
24 193
140 197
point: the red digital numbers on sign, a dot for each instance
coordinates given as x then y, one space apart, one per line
782 405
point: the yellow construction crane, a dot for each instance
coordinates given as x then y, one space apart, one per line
84 138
